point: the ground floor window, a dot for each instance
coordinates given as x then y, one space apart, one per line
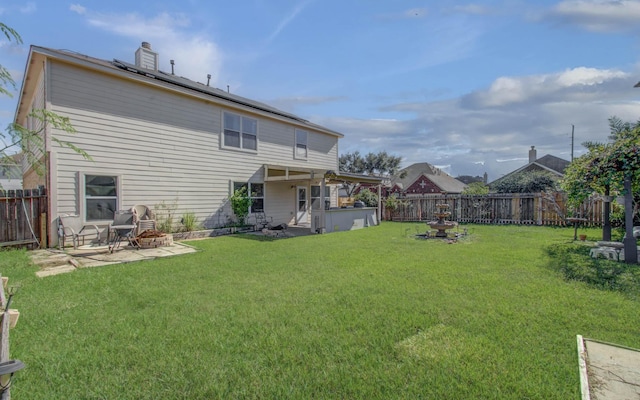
100 197
315 197
255 192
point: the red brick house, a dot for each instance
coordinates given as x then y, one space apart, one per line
423 178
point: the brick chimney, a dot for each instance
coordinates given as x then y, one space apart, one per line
147 58
533 154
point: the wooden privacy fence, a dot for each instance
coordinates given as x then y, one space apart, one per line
23 218
497 208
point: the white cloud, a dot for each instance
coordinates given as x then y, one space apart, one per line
195 54
491 130
78 9
411 13
599 15
475 9
579 82
288 19
29 8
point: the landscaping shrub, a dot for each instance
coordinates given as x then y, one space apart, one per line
369 198
189 221
575 263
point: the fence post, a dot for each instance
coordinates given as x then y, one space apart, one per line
4 338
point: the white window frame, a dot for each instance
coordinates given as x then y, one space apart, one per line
327 197
235 184
242 133
301 147
82 199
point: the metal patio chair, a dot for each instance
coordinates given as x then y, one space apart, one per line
71 226
123 227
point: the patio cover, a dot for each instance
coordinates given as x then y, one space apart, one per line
275 173
280 173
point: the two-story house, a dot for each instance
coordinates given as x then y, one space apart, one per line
162 140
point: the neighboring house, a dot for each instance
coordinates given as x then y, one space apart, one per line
162 140
551 164
11 172
423 178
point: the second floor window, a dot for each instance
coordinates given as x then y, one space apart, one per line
240 132
301 144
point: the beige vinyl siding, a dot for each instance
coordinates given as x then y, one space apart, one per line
165 146
31 123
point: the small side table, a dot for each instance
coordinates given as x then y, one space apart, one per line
120 232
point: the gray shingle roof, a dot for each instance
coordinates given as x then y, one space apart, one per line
444 181
552 164
128 68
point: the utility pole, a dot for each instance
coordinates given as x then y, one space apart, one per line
572 129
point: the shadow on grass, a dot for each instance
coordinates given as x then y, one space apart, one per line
573 261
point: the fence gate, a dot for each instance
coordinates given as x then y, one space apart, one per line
23 218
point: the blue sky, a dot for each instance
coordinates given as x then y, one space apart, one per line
466 86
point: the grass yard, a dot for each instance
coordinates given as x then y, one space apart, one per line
368 314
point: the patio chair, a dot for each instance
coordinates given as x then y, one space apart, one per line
71 226
123 227
143 218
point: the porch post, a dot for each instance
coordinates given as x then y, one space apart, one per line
379 203
630 248
321 227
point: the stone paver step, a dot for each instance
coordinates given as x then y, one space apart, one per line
55 271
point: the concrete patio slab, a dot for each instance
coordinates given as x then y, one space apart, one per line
612 372
54 262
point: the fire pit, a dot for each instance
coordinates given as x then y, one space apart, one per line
151 238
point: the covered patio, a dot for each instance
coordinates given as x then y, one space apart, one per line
320 212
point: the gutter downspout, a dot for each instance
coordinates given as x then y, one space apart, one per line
47 159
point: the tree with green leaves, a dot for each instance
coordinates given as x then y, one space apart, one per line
31 142
526 182
381 164
609 168
375 164
240 203
5 77
369 198
476 188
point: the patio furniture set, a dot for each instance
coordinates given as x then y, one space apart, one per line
127 225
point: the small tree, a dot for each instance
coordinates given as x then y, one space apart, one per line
608 168
369 198
381 164
30 142
527 182
240 203
476 188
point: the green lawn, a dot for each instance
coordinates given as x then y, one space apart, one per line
368 314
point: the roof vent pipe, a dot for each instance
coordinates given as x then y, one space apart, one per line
208 79
172 64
